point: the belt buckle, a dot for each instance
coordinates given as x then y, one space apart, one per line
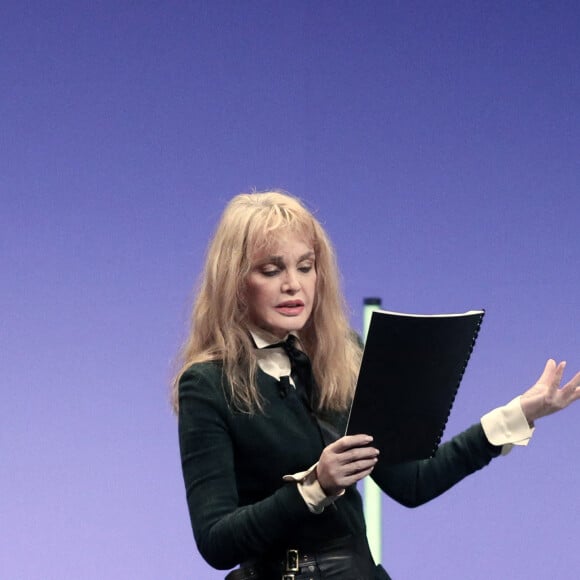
292 563
288 577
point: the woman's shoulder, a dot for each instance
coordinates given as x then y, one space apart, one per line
201 386
207 374
208 368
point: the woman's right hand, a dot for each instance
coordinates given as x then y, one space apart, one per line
345 462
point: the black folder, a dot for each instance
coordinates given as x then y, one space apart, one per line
411 369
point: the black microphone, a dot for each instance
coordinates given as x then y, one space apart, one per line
284 386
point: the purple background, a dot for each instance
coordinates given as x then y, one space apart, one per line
437 142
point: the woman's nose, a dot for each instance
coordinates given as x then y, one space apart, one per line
291 281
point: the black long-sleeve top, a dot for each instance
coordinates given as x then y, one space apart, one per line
233 464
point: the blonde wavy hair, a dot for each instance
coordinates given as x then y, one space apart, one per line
252 223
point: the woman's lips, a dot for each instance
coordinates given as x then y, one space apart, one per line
290 308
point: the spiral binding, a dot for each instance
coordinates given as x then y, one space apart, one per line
470 350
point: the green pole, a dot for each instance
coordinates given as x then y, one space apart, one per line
371 491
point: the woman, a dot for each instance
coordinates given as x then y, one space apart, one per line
270 482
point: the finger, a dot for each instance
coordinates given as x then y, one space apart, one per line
573 385
548 372
575 395
359 466
356 477
576 380
349 442
557 378
357 454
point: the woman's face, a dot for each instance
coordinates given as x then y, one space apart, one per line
281 286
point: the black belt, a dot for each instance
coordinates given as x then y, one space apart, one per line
303 564
294 566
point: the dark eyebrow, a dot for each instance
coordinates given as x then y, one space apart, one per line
278 260
307 256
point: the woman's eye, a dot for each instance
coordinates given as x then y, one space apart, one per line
305 269
270 273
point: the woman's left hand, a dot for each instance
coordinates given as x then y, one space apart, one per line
546 396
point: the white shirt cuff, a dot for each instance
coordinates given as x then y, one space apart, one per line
507 426
311 491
